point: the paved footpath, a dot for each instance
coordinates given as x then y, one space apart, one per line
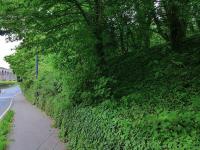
32 128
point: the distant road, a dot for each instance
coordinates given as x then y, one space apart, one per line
6 97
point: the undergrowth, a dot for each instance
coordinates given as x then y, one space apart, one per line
5 127
154 105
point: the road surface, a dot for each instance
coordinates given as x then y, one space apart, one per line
6 97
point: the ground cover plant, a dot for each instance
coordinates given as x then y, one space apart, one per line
5 127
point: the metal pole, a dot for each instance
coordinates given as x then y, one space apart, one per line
36 74
36 64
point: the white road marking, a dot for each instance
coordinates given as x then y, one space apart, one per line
6 98
11 101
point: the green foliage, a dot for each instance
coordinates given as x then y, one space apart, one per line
153 106
5 127
107 73
101 128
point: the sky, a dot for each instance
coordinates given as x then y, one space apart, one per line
6 48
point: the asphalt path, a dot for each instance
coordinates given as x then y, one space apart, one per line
6 97
32 129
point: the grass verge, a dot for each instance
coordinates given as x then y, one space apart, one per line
7 82
5 127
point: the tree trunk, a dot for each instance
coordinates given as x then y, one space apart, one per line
177 31
147 33
144 19
177 25
122 40
198 24
99 46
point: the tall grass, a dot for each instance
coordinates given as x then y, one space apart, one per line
5 127
7 82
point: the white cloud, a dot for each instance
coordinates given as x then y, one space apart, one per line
6 48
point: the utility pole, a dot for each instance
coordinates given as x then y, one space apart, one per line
36 64
36 74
